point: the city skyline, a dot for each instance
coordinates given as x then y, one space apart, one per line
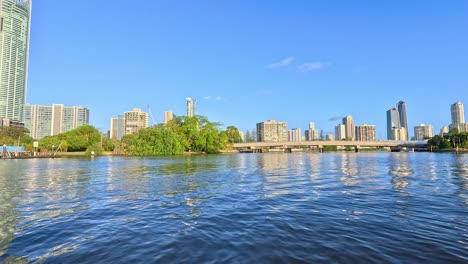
366 57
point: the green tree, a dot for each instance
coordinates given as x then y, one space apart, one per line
439 142
233 135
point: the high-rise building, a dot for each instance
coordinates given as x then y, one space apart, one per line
311 133
117 128
329 137
272 131
191 107
458 116
349 124
242 136
340 132
401 106
295 135
15 18
52 120
393 121
168 116
135 120
365 132
423 132
399 133
396 117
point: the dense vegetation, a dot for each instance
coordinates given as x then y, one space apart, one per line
15 136
191 134
85 138
183 134
454 139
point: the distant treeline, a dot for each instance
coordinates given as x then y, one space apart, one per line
453 139
183 134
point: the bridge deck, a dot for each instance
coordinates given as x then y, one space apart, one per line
288 144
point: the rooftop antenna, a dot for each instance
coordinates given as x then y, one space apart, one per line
151 115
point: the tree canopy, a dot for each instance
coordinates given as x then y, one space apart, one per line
82 138
452 140
191 134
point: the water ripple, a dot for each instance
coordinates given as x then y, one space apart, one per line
274 208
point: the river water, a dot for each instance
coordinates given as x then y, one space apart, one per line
239 208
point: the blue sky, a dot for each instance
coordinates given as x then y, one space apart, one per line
249 61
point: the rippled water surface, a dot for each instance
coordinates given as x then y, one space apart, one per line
267 208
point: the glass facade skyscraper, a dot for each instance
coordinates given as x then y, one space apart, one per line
396 119
401 106
393 121
15 17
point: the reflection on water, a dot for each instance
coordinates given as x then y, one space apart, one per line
272 207
400 170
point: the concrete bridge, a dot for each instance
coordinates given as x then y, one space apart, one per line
287 145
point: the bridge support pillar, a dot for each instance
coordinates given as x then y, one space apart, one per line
320 149
356 148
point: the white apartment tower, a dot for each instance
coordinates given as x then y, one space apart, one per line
272 131
42 121
191 107
458 116
365 132
135 120
423 132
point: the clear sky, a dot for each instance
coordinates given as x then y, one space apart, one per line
249 61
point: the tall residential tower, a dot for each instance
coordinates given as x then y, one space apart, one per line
191 107
46 120
15 20
458 116
349 126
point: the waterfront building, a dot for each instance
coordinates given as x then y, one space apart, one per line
340 132
423 132
272 131
401 106
42 121
191 107
117 128
135 120
365 132
349 125
399 133
15 18
458 116
168 116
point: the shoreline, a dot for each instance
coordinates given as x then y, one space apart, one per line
108 153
